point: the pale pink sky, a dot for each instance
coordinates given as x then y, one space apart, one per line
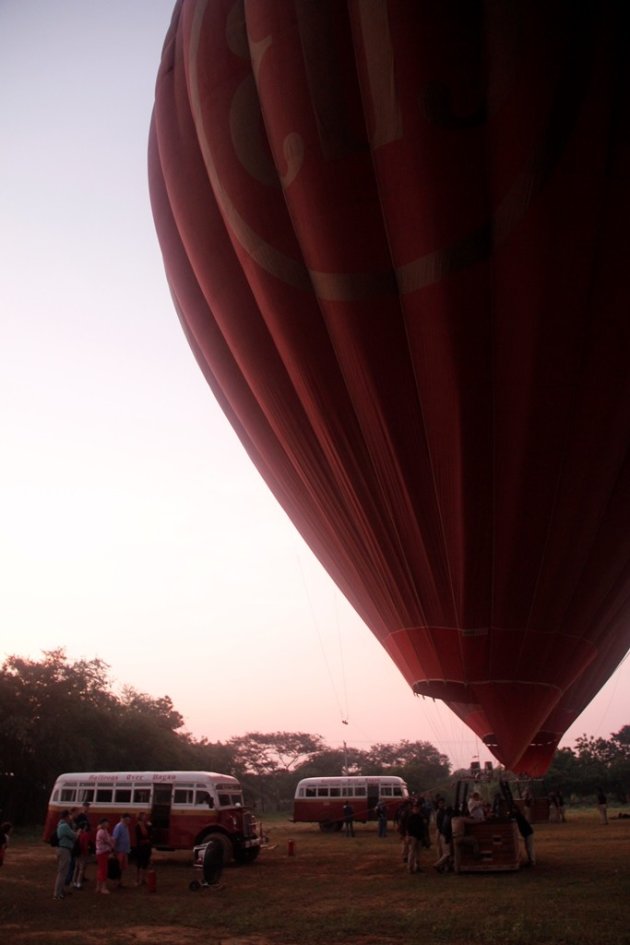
134 527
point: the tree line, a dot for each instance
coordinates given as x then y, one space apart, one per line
57 715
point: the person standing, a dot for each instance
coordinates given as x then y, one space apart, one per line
143 847
381 816
75 849
66 837
84 845
561 811
122 844
443 817
527 833
104 846
5 830
348 818
415 827
81 857
476 806
602 805
401 820
82 819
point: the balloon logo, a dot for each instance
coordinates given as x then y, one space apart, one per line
396 238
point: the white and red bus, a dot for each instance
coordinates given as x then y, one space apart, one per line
186 808
321 800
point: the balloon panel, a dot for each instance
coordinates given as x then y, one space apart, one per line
396 238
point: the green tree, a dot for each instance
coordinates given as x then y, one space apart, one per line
333 761
266 761
211 756
564 774
143 734
49 716
57 716
420 763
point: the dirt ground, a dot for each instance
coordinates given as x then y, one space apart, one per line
30 916
334 890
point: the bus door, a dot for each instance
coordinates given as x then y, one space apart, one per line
372 798
161 813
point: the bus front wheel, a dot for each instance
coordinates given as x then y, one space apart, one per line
225 843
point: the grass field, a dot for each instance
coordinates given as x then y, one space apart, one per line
337 889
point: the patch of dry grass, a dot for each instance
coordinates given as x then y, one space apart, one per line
337 889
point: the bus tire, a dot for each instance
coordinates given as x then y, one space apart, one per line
225 843
213 863
329 826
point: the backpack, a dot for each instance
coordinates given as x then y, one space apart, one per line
54 839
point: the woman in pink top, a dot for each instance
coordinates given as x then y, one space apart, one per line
104 846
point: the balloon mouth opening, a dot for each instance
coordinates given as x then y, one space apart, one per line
540 740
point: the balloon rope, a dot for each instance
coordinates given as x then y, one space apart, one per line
319 637
346 710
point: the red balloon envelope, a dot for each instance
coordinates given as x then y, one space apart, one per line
397 238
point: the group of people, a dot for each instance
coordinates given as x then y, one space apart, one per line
75 843
414 818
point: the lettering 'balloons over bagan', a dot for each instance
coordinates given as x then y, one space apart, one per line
397 238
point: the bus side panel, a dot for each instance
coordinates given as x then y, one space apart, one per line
328 810
317 810
313 810
50 824
184 826
187 826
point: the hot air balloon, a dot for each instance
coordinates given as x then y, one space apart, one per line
396 238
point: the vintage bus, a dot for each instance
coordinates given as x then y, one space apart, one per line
321 800
186 808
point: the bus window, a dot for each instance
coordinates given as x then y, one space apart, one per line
230 800
104 795
335 792
68 795
182 796
142 796
203 798
310 792
123 796
397 792
322 792
360 791
386 792
85 794
347 791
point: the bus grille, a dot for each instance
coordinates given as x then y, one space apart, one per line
249 825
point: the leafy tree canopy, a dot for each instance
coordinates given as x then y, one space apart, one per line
57 715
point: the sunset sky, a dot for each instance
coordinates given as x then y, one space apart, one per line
134 527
